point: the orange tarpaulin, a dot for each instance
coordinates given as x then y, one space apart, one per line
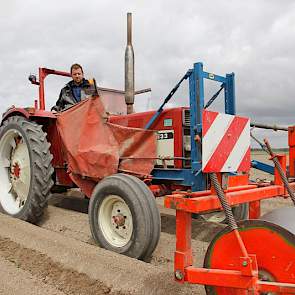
95 148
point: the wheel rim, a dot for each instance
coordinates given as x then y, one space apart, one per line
15 171
115 221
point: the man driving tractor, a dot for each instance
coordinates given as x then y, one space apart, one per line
75 91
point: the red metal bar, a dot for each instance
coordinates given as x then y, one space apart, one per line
254 210
285 288
234 279
183 254
283 161
220 277
211 202
43 73
208 192
41 89
241 244
291 141
238 180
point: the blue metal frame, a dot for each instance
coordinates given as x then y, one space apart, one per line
263 167
196 89
194 177
177 176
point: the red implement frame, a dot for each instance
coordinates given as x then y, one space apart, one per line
238 192
291 139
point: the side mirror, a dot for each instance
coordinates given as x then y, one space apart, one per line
33 79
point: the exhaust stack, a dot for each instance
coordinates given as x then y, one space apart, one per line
129 67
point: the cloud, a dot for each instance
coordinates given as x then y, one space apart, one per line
254 39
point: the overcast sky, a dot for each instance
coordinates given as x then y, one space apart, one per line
253 39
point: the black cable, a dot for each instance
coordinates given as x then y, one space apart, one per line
214 96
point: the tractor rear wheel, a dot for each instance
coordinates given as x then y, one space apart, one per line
124 217
25 169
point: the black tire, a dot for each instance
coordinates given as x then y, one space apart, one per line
154 216
132 196
33 141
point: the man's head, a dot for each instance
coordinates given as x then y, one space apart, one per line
77 73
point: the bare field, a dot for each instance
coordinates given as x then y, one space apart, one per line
59 255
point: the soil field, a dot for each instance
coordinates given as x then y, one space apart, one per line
59 256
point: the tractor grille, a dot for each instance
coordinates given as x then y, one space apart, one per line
186 118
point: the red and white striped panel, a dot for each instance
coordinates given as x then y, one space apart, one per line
226 143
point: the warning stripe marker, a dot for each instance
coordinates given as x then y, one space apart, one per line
226 143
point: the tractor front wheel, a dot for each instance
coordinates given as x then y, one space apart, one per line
25 169
124 217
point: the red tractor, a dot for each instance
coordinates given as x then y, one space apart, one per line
198 159
41 152
34 164
109 154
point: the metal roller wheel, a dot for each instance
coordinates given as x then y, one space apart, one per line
123 216
25 169
273 245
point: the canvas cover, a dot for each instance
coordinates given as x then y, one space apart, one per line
95 148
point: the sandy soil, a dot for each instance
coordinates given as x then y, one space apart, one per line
16 281
59 255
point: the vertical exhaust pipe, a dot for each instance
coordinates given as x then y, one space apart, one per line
129 67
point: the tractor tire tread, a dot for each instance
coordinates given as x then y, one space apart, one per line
41 168
154 215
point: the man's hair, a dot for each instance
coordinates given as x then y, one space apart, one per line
76 67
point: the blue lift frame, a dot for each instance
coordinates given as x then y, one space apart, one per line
194 177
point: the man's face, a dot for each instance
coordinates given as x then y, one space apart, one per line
77 75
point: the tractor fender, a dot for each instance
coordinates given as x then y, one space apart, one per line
13 111
28 113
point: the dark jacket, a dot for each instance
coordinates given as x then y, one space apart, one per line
67 99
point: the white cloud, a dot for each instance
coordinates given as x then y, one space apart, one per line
254 39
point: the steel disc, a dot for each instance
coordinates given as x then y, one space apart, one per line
284 217
273 245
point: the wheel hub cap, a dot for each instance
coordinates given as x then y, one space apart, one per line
15 171
115 220
119 220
